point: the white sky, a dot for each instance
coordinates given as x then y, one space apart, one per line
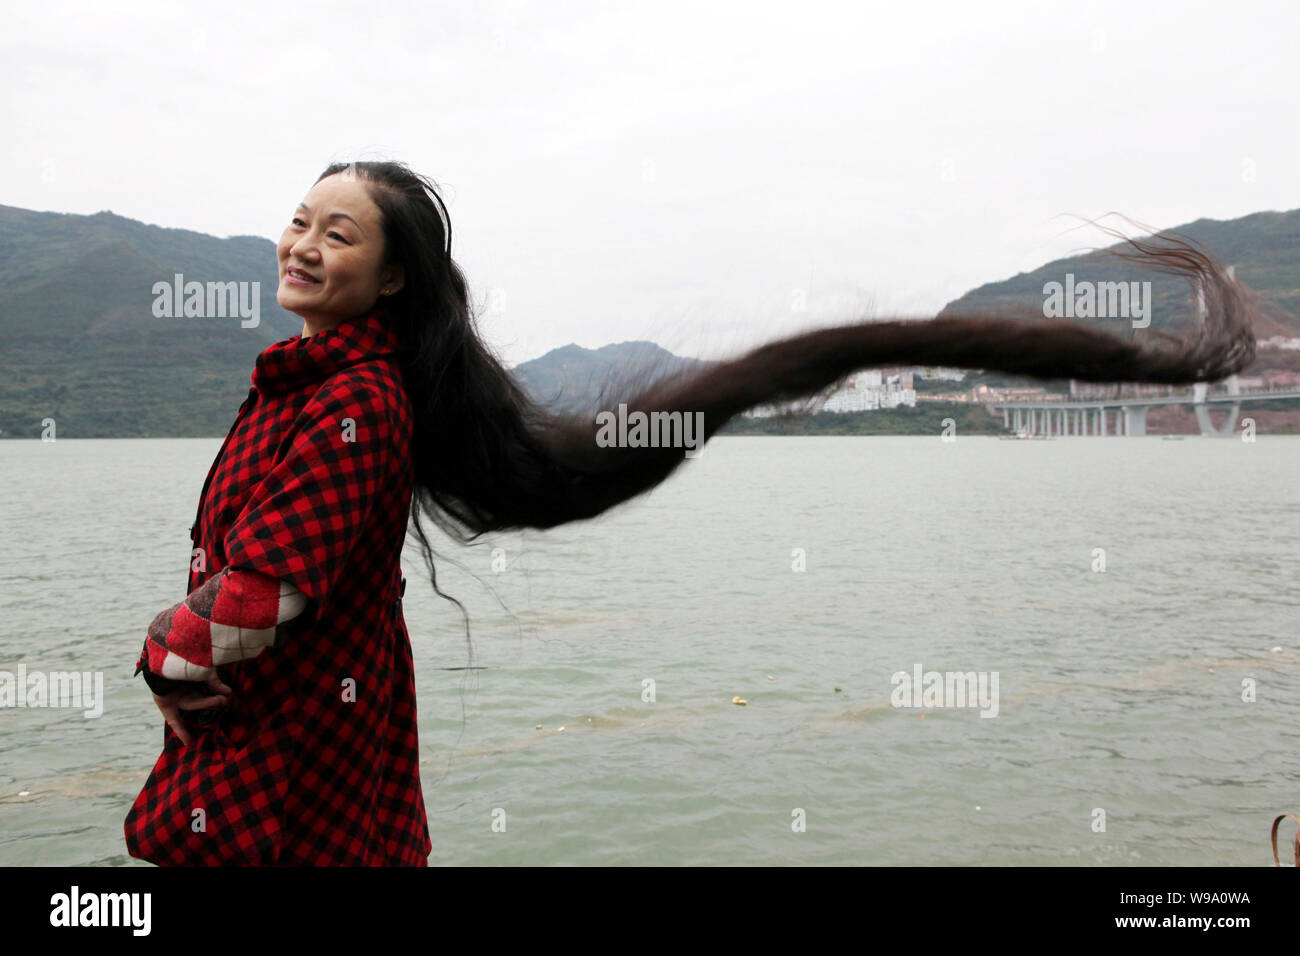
680 172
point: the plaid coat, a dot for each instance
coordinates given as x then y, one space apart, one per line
315 757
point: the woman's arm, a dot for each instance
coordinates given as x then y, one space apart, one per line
232 617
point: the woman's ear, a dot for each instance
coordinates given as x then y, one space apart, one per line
392 279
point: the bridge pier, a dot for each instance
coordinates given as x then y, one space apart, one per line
1135 420
1202 410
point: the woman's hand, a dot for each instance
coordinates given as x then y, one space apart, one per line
190 698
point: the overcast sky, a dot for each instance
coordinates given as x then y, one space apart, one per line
688 173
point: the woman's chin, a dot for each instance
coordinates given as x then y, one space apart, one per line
290 300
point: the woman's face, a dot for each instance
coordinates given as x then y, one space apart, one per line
331 256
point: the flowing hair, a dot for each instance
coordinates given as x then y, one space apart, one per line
489 458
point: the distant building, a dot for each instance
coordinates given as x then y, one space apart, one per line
1279 342
1099 390
1280 378
986 393
766 411
853 400
872 390
942 374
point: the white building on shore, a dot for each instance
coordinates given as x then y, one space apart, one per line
942 374
872 390
865 391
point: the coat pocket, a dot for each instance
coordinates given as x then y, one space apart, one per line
221 800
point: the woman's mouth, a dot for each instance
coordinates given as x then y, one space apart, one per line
295 276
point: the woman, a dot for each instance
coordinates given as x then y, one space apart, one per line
291 649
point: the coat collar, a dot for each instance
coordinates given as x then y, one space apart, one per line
297 362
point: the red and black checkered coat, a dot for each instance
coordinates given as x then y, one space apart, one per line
315 758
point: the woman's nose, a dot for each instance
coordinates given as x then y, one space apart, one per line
304 248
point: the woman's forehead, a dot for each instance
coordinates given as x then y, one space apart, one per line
341 195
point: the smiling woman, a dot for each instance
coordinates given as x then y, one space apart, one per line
332 256
291 651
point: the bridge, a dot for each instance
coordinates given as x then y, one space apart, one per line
1128 415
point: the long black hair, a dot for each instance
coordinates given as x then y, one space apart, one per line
489 458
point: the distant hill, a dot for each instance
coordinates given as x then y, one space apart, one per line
1263 247
79 342
571 378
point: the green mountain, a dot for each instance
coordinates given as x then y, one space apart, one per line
571 378
1263 248
81 343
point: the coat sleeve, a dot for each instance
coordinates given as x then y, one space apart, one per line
302 521
232 617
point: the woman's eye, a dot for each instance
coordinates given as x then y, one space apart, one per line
298 222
